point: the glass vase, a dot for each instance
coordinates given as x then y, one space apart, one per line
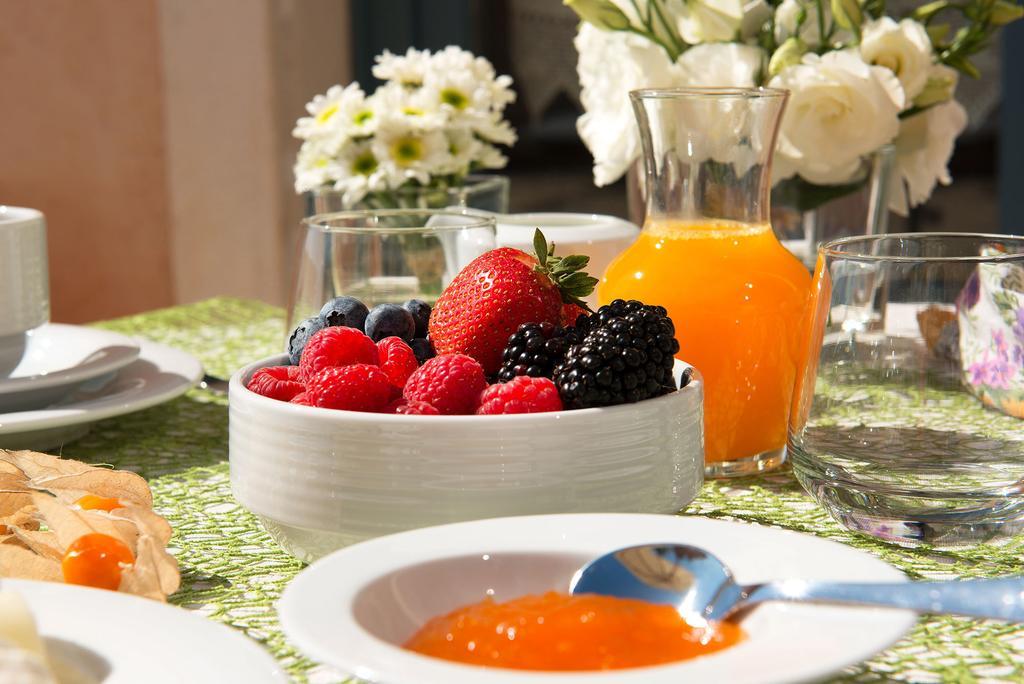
707 253
804 215
476 191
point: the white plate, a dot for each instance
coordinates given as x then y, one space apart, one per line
57 359
122 639
160 374
351 608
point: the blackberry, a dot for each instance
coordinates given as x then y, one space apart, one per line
625 354
535 349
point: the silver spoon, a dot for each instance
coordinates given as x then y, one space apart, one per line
703 589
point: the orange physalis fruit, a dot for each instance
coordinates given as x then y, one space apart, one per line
92 502
96 560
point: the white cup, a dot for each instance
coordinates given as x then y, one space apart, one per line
24 281
600 237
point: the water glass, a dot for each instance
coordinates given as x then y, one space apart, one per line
385 256
907 416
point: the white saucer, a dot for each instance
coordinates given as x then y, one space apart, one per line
121 639
352 608
57 359
160 374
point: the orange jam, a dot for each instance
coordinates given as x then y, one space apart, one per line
560 632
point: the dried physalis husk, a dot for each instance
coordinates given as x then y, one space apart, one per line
931 321
40 519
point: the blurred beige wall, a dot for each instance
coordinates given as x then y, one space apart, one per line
155 136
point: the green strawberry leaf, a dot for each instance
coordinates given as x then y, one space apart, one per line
571 263
540 245
565 272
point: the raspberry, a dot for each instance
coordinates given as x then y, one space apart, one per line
522 394
451 383
337 346
397 360
411 408
357 387
276 382
302 398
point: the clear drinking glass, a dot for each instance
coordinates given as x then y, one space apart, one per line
906 421
385 256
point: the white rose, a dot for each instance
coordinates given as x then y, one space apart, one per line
611 64
939 86
755 14
923 148
839 110
787 14
722 65
903 48
721 123
706 21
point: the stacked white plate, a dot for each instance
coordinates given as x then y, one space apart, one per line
69 377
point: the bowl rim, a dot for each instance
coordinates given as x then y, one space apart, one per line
238 390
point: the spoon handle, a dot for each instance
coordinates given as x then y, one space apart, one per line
1001 599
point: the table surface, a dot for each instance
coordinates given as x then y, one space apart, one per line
182 448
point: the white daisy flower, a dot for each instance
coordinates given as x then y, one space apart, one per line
457 73
494 129
490 157
316 165
463 150
417 108
406 153
330 112
362 172
406 70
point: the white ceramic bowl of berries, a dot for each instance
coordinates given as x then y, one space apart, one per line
504 398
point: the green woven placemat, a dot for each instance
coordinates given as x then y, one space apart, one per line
233 572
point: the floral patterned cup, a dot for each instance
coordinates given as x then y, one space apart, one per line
913 340
990 319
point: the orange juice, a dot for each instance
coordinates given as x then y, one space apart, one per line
737 299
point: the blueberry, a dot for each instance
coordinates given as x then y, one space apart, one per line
297 340
346 311
420 311
423 349
389 320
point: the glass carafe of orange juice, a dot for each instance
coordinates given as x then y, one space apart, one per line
707 253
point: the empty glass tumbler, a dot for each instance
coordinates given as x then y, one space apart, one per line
385 256
907 418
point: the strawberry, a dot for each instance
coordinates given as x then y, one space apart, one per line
499 291
570 312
